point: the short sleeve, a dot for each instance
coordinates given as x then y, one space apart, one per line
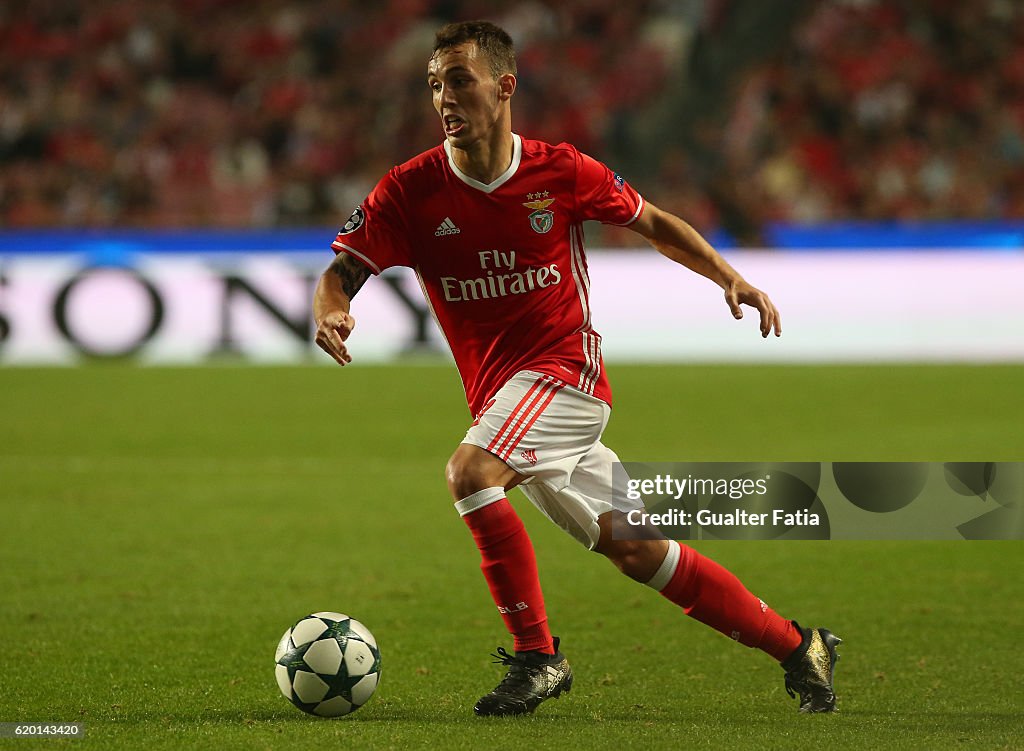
375 233
603 195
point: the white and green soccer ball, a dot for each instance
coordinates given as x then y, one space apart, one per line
327 664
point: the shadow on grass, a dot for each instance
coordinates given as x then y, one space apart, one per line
388 715
931 719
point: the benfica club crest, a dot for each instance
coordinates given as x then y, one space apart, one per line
542 219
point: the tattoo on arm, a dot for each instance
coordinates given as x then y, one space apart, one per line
352 273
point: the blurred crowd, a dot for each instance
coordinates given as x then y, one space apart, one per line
275 112
279 112
902 109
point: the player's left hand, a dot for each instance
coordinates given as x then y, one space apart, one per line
331 334
740 293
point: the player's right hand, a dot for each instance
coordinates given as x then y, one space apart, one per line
331 334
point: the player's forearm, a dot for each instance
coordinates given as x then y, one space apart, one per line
338 285
677 240
329 296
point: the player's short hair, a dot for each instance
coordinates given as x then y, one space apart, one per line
492 40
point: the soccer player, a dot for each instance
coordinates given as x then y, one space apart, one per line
492 224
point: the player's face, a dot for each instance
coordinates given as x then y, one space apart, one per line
466 95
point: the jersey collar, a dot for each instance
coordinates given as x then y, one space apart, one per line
517 155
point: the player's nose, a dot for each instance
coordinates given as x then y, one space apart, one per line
447 95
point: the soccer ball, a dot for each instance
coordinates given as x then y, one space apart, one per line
328 664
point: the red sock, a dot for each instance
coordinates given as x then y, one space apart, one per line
510 567
711 594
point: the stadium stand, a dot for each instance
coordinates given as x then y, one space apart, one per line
225 113
905 110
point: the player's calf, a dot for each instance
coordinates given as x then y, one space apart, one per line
637 559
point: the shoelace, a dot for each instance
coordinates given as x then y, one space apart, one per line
793 683
518 668
504 658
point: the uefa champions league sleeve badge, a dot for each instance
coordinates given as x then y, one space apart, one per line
354 222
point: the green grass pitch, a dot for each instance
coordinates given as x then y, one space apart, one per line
162 527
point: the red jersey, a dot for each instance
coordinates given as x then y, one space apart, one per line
502 265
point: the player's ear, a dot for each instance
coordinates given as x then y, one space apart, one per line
506 86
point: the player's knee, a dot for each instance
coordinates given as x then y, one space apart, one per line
471 469
464 476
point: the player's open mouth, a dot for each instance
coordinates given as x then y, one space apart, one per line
453 125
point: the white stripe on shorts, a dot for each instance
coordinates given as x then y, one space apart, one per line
530 407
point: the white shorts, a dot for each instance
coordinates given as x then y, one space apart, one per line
551 433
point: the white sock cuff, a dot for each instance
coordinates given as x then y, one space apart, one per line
667 568
479 499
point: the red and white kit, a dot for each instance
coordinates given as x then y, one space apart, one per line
503 269
502 265
552 434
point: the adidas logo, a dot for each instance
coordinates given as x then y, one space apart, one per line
447 227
